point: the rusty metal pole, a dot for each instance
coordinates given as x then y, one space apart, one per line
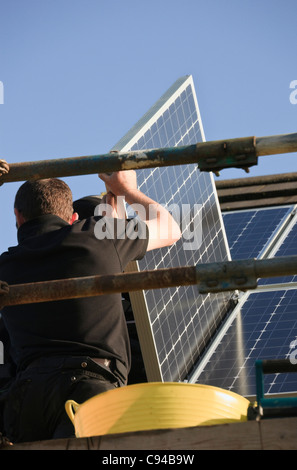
97 285
276 144
117 161
210 156
210 278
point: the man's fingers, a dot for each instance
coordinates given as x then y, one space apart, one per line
103 176
4 167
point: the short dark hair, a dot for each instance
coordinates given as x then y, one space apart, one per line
46 196
85 206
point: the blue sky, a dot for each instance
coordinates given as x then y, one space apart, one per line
77 74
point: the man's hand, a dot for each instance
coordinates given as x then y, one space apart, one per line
4 169
118 185
163 230
112 206
121 182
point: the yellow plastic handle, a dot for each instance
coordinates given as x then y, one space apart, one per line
71 407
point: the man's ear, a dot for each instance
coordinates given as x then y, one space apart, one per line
19 218
74 218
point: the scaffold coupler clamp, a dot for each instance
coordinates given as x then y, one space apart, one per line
234 153
230 276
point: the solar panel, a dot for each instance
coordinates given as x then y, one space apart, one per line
287 247
265 327
249 231
174 325
264 324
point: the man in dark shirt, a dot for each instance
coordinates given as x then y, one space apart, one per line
77 348
86 207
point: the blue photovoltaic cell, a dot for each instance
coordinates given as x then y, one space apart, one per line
287 248
182 321
248 232
264 329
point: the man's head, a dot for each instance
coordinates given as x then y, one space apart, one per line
85 206
41 197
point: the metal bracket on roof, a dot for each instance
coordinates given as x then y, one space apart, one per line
234 153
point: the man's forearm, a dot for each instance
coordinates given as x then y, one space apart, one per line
163 229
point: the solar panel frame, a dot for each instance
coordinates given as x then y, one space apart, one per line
172 330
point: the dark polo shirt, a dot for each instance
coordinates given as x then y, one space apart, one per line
48 249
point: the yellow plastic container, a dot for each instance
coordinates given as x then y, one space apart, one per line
155 405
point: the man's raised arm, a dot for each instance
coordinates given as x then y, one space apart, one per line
163 229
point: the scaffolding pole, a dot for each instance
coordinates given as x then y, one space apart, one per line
210 156
211 278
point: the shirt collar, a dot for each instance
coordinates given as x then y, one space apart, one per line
39 225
